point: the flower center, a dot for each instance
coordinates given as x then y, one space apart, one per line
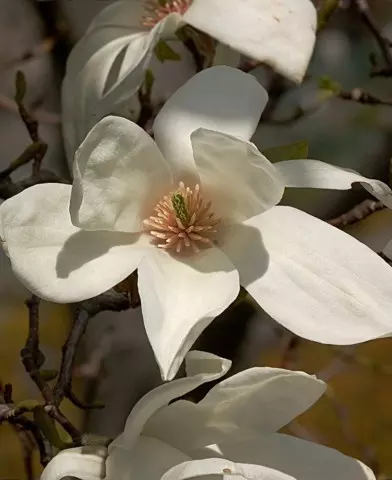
183 220
156 10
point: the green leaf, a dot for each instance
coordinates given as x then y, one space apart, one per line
20 86
292 151
327 8
48 427
164 52
326 83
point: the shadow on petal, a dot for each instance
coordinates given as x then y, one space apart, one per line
86 246
244 246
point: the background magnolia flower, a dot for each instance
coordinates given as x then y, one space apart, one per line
108 64
231 431
70 243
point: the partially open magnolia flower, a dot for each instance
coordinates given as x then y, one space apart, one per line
108 65
195 212
231 432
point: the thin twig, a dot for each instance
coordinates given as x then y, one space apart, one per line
357 213
63 385
8 188
383 42
40 115
45 449
32 357
82 405
112 301
360 96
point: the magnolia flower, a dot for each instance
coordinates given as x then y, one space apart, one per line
195 212
108 65
232 431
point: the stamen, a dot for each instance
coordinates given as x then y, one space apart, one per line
156 10
186 222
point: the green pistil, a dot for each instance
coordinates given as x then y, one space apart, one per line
180 208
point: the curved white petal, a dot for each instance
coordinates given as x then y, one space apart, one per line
86 463
248 404
314 279
226 468
295 457
218 98
180 296
56 260
240 181
316 174
107 66
280 34
119 174
148 459
201 367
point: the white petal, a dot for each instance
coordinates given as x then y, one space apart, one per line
253 402
201 367
226 468
56 260
314 279
280 34
181 295
240 181
148 459
316 174
86 463
301 459
119 174
107 66
218 98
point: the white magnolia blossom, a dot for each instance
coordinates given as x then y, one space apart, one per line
232 431
207 197
108 64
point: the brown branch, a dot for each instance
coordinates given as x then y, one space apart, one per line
40 115
112 301
32 357
109 301
360 96
25 157
63 384
30 122
146 110
356 214
82 405
8 188
44 447
383 42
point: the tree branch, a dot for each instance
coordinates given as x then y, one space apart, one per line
383 42
359 212
32 357
360 96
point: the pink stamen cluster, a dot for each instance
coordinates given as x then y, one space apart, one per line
174 233
155 12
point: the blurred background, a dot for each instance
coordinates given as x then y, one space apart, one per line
116 365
